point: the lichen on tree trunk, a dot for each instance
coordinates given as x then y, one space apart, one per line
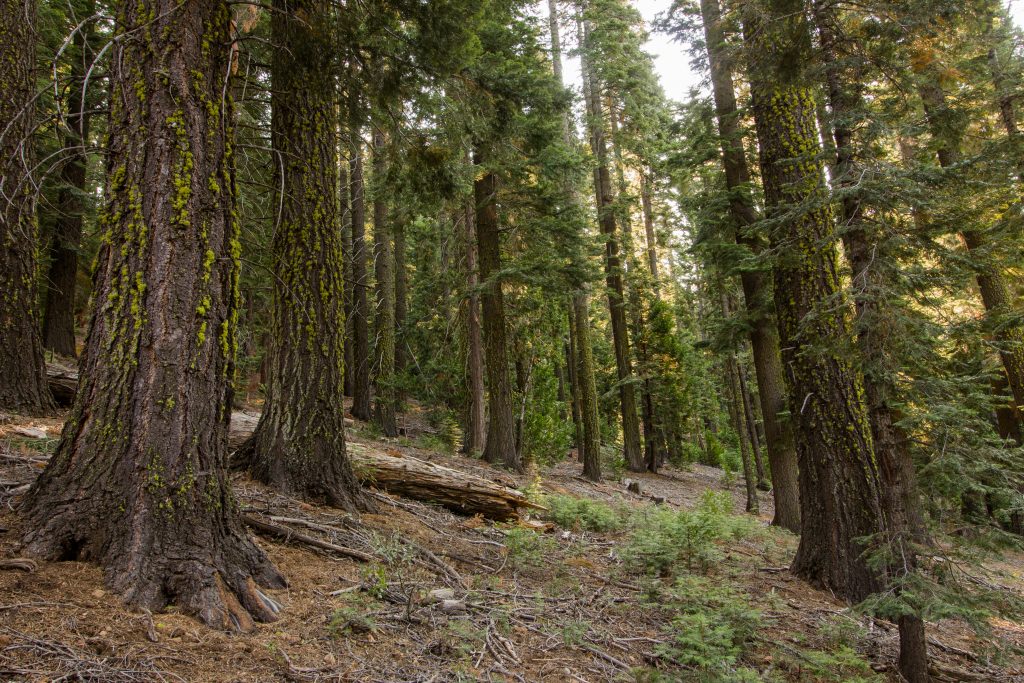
839 479
138 483
22 372
500 446
299 445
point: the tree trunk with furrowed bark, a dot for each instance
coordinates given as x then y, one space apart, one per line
299 445
139 483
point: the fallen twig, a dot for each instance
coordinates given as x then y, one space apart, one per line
292 536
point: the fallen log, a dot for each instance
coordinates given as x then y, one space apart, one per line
397 474
63 383
410 477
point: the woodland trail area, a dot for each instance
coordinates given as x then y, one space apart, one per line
604 585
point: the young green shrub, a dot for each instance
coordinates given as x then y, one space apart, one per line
711 631
582 514
526 548
665 538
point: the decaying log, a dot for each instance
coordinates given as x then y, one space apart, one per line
417 479
421 480
397 474
63 383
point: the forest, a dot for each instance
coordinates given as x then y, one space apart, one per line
412 340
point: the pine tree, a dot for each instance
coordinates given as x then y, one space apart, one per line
384 317
299 444
21 353
632 451
138 483
764 340
839 486
59 309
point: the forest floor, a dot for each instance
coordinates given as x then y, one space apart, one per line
607 585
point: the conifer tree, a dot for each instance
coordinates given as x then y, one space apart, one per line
299 444
764 340
21 353
138 483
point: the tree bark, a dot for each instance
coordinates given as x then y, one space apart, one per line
652 241
345 201
384 320
360 306
401 306
839 482
764 339
476 434
299 445
59 310
752 433
867 254
138 483
589 416
23 387
500 446
739 418
632 451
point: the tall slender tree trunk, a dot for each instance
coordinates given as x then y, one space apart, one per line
23 386
345 201
571 365
401 306
500 446
867 254
739 420
632 451
298 446
647 204
384 319
839 481
755 439
764 339
995 293
360 306
585 407
139 482
591 444
476 433
59 310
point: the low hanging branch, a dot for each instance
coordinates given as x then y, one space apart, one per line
397 474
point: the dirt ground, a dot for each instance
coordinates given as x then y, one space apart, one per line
450 598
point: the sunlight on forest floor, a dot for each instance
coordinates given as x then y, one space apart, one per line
607 586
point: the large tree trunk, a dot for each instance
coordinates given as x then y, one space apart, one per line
384 319
23 386
501 441
360 307
139 483
59 310
632 451
299 445
476 433
839 481
764 339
